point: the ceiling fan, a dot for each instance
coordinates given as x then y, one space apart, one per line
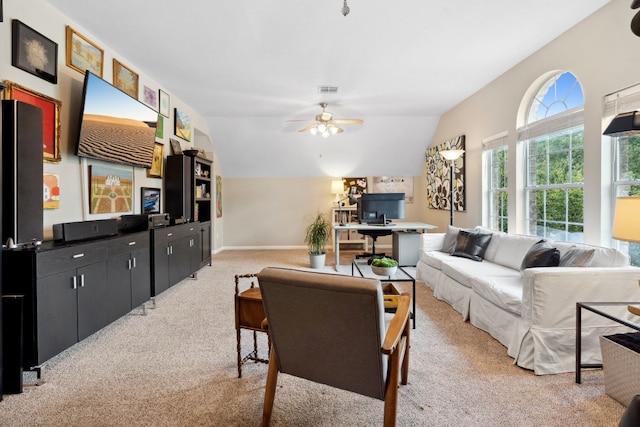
324 123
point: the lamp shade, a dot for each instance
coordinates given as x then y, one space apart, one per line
624 124
337 187
625 221
451 154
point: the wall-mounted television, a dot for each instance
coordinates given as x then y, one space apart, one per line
114 126
380 208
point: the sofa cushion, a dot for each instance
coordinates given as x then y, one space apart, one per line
602 257
464 270
492 249
504 291
541 254
471 245
576 257
450 239
513 248
434 258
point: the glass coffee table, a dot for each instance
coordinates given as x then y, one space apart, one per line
363 269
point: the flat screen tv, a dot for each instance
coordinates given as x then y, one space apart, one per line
114 126
380 208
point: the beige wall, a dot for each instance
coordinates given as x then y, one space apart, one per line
274 212
604 55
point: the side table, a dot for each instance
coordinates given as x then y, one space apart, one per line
249 315
593 307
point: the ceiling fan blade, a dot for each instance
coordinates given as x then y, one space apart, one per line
306 128
349 121
339 129
300 120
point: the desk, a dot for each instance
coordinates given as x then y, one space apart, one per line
592 307
421 226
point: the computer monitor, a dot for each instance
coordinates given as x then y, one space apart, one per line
380 208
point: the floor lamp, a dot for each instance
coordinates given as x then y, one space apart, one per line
452 156
627 228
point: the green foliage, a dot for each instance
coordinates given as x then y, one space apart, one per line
318 234
384 262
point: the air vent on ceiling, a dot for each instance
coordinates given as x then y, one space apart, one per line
327 89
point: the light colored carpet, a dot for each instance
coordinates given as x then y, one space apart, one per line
176 366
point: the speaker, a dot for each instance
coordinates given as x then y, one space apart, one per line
21 172
84 230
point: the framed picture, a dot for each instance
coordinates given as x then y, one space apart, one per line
160 127
164 103
150 97
182 125
51 191
175 146
110 188
33 52
218 196
150 200
158 159
439 177
125 79
50 118
82 54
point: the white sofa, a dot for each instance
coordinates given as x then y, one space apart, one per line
531 312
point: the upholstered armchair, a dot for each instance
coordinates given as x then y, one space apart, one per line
331 329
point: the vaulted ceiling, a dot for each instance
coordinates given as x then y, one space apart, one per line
249 66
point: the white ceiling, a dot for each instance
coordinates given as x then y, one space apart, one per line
248 66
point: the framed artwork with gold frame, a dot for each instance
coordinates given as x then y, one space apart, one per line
82 54
125 79
50 117
158 160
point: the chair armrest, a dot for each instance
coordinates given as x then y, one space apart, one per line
397 325
265 324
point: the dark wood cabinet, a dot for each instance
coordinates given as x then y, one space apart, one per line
205 243
71 291
129 273
189 188
177 254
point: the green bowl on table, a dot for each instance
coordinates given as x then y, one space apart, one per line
384 266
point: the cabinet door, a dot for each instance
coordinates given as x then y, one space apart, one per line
57 315
180 259
119 287
92 299
205 244
195 252
140 277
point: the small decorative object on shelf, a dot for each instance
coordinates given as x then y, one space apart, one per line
384 266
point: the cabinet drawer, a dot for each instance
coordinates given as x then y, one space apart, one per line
129 243
51 262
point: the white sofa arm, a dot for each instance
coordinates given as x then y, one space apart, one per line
550 294
431 242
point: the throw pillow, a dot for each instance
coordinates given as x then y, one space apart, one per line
450 239
577 257
471 245
541 254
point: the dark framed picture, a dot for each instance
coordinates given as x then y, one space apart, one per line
182 124
33 52
150 198
164 103
50 118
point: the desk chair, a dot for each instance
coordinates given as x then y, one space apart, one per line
339 339
374 234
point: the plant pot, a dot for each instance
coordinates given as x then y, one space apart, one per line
317 260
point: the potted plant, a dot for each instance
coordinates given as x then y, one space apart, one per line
317 235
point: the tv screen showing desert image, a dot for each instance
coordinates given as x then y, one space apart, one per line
114 126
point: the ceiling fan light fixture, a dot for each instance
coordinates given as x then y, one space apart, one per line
326 134
345 8
313 130
322 127
333 130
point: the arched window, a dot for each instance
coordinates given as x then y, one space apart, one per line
553 136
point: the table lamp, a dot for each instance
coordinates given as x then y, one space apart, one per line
452 156
337 188
626 227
